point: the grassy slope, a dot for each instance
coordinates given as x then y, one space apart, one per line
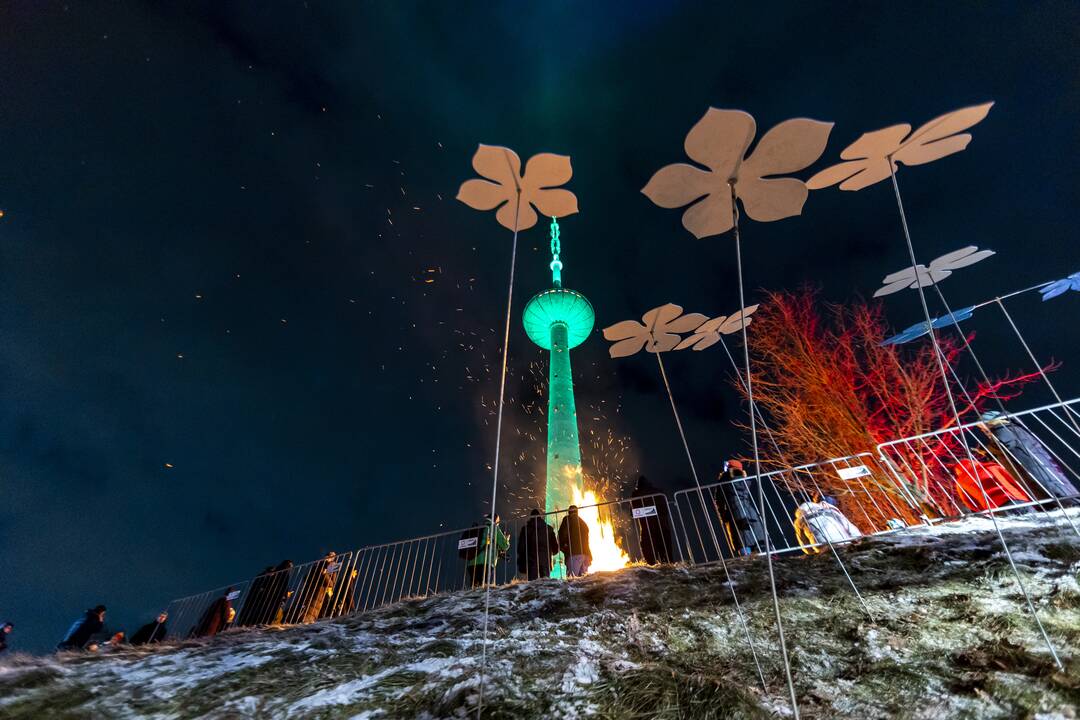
950 638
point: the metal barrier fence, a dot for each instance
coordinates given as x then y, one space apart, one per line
1021 460
722 518
1002 463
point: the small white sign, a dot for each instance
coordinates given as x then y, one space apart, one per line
332 567
233 595
850 473
467 543
647 511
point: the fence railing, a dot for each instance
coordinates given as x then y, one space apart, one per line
1004 463
1007 463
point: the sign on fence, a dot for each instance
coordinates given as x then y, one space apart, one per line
647 511
332 567
467 543
855 471
233 595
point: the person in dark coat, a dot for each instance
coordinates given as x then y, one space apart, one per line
152 632
654 523
83 629
5 630
215 618
277 593
256 600
574 543
537 544
737 510
1012 444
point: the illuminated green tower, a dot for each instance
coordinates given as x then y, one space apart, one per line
559 320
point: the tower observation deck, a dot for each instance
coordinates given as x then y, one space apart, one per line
558 320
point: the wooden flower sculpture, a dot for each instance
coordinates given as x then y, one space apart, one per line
709 332
515 194
940 268
658 331
719 142
867 159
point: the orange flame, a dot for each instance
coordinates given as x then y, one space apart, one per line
607 555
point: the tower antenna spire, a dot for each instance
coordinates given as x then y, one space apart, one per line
556 247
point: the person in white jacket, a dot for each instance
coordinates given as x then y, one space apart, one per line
820 523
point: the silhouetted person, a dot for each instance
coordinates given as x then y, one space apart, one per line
737 510
152 632
822 523
214 618
574 543
536 545
314 596
256 602
654 522
277 594
83 629
1012 444
5 630
483 557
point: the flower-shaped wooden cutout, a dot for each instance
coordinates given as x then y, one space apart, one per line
719 142
515 194
917 330
1060 287
709 332
658 331
868 157
940 268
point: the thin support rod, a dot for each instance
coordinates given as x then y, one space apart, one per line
986 379
757 460
1045 377
705 509
492 540
783 459
956 414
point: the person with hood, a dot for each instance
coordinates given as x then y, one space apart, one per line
5 630
537 544
820 523
653 518
83 629
257 601
478 558
1014 445
152 632
315 595
214 618
734 501
574 543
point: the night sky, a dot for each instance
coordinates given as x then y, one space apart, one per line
242 317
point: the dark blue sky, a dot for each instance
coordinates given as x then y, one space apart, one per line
220 216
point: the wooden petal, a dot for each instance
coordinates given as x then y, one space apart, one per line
554 203
877 143
664 342
686 323
711 216
547 170
895 286
949 124
690 341
919 154
789 147
874 172
625 329
626 348
708 340
483 195
836 173
775 199
497 163
658 317
525 219
947 261
677 185
719 140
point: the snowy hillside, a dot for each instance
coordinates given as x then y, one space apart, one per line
949 639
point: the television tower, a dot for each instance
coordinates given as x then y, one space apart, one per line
558 320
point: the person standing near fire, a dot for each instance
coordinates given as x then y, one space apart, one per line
574 543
